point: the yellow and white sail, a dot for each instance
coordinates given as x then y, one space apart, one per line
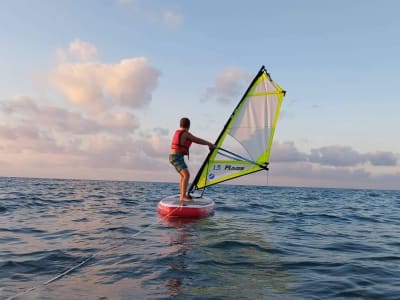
244 145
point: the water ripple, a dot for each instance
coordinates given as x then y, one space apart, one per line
262 242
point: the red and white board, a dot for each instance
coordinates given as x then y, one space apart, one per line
199 207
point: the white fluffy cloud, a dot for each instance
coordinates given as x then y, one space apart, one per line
96 86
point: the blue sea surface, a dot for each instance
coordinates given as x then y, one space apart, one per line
77 239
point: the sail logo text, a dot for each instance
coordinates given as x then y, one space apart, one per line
233 168
228 168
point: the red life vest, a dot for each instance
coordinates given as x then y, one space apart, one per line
176 143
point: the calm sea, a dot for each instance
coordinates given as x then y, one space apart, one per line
76 239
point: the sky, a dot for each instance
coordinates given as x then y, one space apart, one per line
95 89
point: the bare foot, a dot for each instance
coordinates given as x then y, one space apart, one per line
186 199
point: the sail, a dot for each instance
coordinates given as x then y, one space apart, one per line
244 145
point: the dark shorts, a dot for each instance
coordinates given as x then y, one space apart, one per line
177 161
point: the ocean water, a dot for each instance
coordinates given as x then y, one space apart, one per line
76 239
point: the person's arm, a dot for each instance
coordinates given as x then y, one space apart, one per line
200 141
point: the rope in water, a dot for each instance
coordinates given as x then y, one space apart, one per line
57 277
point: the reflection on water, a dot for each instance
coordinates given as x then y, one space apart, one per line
216 260
181 240
179 265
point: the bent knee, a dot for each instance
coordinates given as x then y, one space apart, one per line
185 173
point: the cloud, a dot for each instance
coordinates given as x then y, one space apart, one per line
345 156
161 131
334 156
17 105
310 174
155 146
117 122
337 156
228 86
99 129
135 153
17 132
23 110
310 171
287 152
92 151
26 138
61 137
383 158
77 50
96 87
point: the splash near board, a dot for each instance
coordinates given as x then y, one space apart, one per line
244 144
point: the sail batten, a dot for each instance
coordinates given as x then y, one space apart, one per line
244 144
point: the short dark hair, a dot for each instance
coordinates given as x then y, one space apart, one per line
184 123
